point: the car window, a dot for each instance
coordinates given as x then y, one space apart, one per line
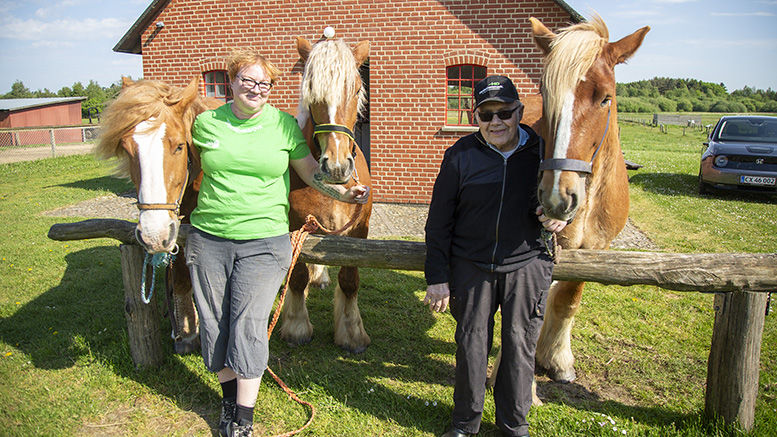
749 130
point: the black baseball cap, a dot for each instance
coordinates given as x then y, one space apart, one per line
495 89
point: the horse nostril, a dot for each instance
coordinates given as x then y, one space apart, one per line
139 236
572 202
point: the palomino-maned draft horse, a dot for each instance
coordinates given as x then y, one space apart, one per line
583 175
331 98
148 129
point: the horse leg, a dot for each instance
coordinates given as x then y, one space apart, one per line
182 312
554 352
319 276
296 327
349 329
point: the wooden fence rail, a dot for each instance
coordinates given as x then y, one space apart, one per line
740 279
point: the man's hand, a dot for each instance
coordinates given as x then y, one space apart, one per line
437 297
548 223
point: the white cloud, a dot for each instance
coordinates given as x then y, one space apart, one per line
56 8
63 30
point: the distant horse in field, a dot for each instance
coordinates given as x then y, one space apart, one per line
331 97
148 129
583 176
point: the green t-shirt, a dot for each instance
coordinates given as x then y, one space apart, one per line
245 188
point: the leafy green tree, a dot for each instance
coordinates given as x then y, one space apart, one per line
44 93
18 91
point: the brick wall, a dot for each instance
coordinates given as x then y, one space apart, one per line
412 42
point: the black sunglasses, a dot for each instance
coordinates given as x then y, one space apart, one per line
505 114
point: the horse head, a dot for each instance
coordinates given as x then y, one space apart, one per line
332 96
579 107
149 128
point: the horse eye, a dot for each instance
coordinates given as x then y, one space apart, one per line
180 147
606 101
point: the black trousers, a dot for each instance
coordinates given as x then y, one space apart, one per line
475 296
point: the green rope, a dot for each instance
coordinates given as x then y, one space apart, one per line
155 260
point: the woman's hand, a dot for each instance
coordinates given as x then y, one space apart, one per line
437 297
356 194
548 223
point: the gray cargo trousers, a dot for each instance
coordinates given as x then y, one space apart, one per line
475 296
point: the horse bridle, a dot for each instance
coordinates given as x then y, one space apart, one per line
175 207
576 165
333 128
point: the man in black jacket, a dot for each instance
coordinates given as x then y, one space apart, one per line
485 250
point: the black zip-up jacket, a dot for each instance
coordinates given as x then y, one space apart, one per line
483 208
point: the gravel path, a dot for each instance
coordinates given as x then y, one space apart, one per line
388 219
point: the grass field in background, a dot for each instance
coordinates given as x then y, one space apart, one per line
641 352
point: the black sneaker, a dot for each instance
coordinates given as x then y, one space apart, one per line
228 407
244 429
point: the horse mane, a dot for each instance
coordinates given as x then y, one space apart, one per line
330 62
573 52
138 102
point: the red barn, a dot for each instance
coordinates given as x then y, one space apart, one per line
425 57
46 112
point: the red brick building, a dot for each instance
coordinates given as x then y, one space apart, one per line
424 57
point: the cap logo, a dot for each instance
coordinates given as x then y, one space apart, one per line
493 86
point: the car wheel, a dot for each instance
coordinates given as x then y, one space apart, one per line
703 188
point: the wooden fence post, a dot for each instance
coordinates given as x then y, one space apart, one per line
53 143
732 369
145 340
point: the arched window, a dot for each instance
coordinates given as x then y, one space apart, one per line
217 85
461 80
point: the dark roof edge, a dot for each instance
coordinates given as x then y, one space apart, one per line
576 17
130 42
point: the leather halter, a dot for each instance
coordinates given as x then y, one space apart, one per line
333 128
576 165
175 207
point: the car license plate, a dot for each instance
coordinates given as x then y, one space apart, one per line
758 180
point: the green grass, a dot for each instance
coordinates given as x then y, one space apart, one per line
641 352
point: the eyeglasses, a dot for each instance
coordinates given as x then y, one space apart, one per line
250 84
503 115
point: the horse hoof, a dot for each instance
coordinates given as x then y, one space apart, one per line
356 350
301 342
562 377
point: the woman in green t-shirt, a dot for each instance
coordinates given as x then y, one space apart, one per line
238 250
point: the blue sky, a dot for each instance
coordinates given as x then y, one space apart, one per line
54 43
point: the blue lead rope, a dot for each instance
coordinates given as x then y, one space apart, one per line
155 260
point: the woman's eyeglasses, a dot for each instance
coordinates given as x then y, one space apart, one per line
506 114
250 84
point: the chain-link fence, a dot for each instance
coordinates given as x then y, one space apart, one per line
25 144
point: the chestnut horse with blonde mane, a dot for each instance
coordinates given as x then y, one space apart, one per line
148 130
331 97
583 178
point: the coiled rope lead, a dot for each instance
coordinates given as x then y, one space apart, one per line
155 260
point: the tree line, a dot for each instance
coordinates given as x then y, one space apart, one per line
663 94
96 96
659 94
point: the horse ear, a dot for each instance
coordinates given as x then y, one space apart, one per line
303 48
621 50
542 35
125 82
361 52
190 93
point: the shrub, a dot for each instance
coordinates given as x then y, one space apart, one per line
635 104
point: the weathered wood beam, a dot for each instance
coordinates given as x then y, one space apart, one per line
705 272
